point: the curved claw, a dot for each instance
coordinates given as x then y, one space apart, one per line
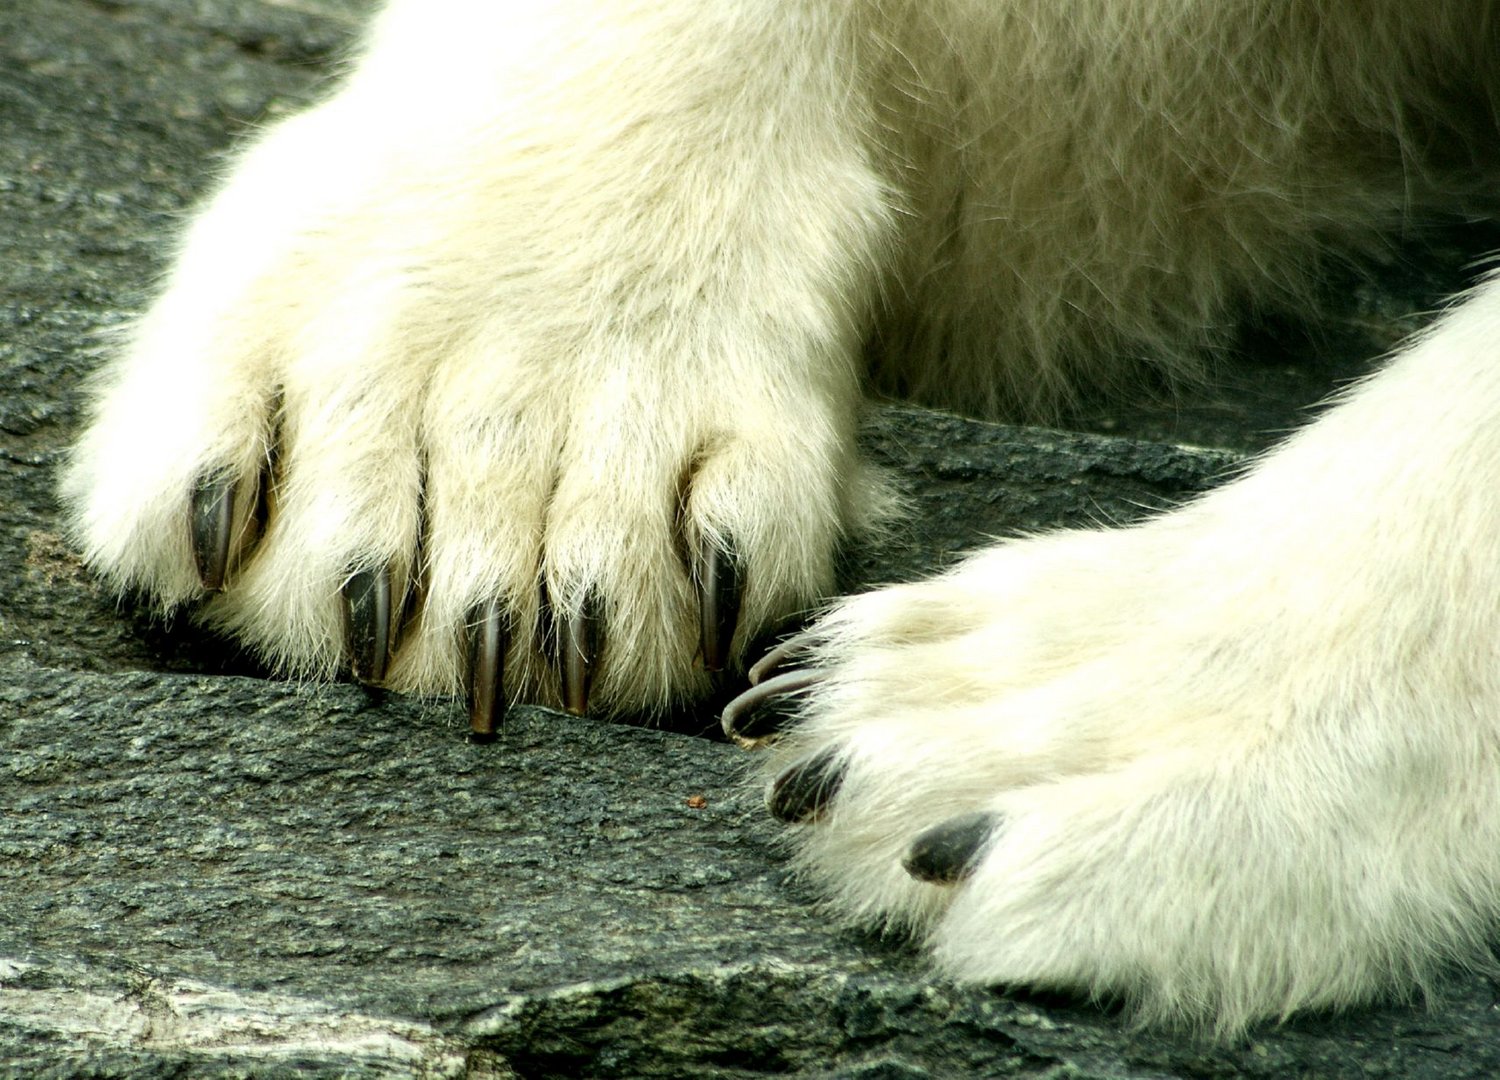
720 588
772 661
759 713
948 853
487 638
579 636
803 792
210 530
367 623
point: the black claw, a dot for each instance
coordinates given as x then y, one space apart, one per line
212 524
803 792
487 634
367 620
578 645
948 853
720 587
767 707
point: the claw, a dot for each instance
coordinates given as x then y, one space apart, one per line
803 792
212 524
367 621
768 664
946 854
546 623
763 710
487 633
578 643
719 592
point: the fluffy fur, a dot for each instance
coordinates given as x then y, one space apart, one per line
564 291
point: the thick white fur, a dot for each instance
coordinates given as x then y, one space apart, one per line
1246 756
569 289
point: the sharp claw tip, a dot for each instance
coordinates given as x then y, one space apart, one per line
482 725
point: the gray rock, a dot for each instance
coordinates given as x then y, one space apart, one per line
208 872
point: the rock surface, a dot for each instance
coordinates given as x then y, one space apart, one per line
207 872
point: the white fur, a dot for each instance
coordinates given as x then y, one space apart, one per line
1246 755
566 290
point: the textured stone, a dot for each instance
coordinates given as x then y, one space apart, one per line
207 872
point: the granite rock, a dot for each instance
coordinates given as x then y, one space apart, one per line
208 872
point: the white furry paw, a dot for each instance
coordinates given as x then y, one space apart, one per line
1235 762
447 369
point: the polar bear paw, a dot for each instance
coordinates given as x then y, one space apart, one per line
378 423
1145 765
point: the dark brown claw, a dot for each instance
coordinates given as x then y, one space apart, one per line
212 525
487 634
764 709
720 586
578 645
803 792
946 854
367 622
